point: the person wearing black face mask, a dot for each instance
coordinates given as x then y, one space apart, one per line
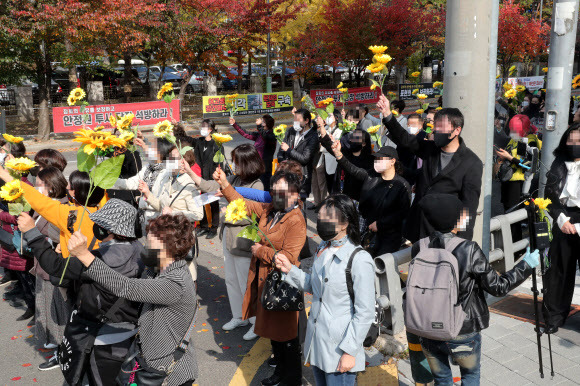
562 188
449 166
356 148
332 310
284 225
114 227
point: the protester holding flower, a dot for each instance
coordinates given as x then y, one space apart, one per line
284 226
205 150
264 141
562 191
325 163
237 251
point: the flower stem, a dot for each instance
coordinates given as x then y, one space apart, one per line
266 237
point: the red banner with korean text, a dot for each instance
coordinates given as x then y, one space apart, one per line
356 95
69 119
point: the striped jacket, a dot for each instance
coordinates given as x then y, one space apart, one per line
169 302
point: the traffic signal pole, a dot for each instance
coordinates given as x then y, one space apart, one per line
560 67
470 71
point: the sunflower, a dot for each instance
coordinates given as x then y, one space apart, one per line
231 97
343 89
126 136
164 90
510 93
12 139
326 102
221 138
78 93
96 139
439 108
113 120
125 122
373 129
430 125
373 86
507 86
375 67
543 90
280 130
542 203
395 113
21 164
163 129
236 211
520 88
415 91
576 79
420 111
415 74
383 58
545 69
11 191
339 86
512 69
377 50
438 84
71 101
303 98
421 96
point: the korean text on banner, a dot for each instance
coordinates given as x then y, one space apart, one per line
355 95
247 104
69 119
406 90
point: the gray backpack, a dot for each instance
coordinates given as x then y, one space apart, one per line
432 307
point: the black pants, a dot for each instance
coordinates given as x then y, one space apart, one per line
105 362
28 285
559 279
288 361
265 178
511 194
330 183
215 216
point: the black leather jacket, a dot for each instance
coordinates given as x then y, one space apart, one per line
475 277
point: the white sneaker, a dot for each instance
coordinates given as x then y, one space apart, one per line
234 323
49 346
250 335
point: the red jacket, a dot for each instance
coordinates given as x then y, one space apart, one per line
12 260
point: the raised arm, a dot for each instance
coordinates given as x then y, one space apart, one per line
356 172
255 194
242 132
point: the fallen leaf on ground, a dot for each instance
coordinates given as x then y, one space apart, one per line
16 378
27 365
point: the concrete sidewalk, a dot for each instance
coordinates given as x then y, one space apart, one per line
510 355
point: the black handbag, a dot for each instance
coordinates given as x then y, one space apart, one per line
78 341
6 240
278 295
135 369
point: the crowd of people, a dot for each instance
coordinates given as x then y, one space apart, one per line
109 277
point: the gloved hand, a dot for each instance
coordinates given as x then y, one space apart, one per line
533 259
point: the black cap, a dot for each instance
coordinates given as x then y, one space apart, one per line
387 151
441 210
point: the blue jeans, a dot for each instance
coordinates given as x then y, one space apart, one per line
465 351
333 379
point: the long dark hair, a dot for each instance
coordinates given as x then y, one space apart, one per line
347 213
249 164
54 181
81 184
561 152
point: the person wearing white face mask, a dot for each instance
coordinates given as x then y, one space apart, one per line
325 163
204 150
385 197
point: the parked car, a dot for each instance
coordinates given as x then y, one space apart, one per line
195 83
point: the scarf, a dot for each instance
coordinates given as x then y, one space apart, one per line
570 191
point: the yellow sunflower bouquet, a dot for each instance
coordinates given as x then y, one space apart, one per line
379 66
344 96
280 132
236 211
12 191
515 96
220 139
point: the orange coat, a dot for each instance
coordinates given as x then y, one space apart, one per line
58 215
287 236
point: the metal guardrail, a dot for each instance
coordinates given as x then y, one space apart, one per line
503 250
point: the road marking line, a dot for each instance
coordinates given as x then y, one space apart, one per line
251 363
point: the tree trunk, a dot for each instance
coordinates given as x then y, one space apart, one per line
44 77
283 67
250 65
127 77
240 68
184 84
72 70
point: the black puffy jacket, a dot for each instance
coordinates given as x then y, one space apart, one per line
556 180
476 276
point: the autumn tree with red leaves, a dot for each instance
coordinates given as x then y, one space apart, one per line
519 38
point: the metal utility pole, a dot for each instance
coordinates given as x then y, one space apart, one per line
268 75
470 65
560 67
